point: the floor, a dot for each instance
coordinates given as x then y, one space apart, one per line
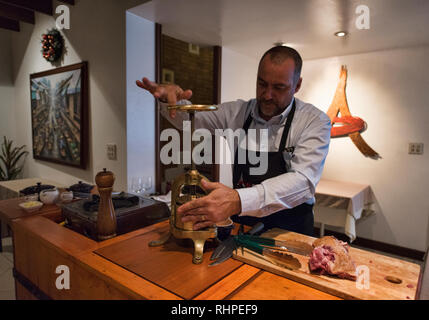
7 283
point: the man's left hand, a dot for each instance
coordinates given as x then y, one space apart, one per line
218 206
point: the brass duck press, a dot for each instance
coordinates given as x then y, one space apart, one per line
187 187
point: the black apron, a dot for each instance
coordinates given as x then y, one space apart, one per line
299 219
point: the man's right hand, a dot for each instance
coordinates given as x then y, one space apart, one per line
167 93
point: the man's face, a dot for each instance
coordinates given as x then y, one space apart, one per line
275 87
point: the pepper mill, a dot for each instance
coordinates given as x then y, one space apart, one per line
106 219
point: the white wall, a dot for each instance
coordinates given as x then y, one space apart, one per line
140 104
238 82
238 76
389 90
7 97
97 35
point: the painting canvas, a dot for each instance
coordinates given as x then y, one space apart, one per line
59 114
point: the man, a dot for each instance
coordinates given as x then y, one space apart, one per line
298 138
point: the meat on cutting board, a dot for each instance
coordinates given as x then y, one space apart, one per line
331 256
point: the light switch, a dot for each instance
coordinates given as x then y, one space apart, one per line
111 151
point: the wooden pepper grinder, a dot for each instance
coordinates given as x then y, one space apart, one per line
106 220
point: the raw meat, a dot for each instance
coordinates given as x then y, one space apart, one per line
331 256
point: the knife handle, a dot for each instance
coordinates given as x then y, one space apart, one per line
259 240
256 229
241 242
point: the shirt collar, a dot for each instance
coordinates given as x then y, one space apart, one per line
279 119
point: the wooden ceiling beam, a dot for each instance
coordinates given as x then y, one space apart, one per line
9 24
43 6
16 13
71 2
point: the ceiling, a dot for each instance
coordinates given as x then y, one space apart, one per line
13 12
250 27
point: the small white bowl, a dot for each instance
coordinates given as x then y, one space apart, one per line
32 197
31 206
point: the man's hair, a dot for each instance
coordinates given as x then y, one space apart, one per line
279 54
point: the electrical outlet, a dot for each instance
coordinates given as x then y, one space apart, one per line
415 148
111 151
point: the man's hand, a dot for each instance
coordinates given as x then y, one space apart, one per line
218 206
169 93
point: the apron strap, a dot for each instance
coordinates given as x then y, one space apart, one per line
237 171
288 124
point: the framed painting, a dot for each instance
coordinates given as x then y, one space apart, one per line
59 115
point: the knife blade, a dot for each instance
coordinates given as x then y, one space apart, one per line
282 259
226 248
228 245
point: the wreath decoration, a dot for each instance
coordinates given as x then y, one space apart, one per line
52 45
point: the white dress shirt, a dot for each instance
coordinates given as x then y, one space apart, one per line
309 134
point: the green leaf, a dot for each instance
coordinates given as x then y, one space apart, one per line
15 161
9 158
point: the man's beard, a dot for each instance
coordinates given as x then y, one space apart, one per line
269 108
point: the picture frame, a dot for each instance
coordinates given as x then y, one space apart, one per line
167 76
59 115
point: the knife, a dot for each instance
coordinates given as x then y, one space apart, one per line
292 246
225 250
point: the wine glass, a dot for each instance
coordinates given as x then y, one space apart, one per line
146 183
137 185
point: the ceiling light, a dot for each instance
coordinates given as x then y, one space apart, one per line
341 33
280 44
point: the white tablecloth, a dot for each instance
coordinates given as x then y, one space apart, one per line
340 204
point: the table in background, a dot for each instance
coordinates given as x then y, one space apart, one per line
341 204
10 190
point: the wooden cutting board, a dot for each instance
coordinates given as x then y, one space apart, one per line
379 267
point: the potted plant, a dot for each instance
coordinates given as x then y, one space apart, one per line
10 165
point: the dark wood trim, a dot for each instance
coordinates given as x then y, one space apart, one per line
1 244
158 55
16 13
30 286
217 74
43 6
71 2
9 24
217 91
84 136
423 283
377 245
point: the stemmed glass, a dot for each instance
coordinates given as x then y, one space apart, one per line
147 183
137 185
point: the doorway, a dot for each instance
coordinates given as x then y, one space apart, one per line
193 67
